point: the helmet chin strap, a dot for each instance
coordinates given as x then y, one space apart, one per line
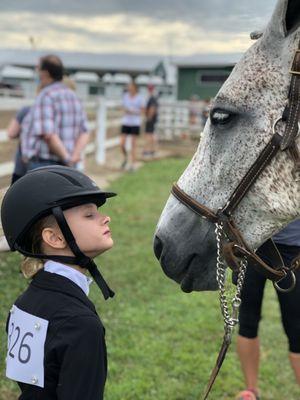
80 258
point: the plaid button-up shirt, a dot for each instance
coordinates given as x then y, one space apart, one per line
56 110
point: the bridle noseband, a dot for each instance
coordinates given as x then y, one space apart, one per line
232 249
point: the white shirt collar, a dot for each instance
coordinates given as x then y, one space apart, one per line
75 276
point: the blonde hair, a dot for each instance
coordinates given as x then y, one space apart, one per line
69 83
30 265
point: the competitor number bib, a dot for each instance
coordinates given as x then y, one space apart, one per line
25 347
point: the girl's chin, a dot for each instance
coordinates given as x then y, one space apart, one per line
97 252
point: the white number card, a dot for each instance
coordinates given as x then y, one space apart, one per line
25 354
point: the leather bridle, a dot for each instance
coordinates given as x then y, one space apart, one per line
231 245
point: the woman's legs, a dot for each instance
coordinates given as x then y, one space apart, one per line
295 363
249 317
290 310
128 144
248 353
133 149
123 149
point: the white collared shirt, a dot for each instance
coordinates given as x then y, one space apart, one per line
75 276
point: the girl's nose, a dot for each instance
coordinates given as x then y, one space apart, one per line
106 219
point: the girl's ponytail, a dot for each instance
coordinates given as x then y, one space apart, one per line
30 266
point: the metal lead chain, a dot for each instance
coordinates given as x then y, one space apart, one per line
230 318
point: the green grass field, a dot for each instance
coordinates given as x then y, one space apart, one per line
162 343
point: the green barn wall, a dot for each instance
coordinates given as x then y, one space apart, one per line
189 82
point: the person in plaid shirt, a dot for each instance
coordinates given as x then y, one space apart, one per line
55 129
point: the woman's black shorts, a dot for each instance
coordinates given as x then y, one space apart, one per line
252 297
130 130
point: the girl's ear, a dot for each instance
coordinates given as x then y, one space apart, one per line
54 238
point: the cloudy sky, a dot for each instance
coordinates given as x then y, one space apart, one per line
178 27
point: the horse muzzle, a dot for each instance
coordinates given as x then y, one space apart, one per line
184 260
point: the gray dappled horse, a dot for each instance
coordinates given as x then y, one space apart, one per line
240 125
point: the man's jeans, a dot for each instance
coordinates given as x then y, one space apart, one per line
36 163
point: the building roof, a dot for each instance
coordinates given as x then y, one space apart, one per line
116 78
80 76
208 60
88 62
132 64
147 80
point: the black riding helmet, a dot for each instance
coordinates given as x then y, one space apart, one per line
44 191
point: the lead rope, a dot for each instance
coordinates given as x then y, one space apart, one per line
230 318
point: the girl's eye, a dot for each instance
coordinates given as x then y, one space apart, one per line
220 117
89 215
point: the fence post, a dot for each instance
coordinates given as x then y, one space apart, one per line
101 131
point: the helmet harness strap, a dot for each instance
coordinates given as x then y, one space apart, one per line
80 258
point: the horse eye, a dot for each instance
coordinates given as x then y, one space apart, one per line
219 117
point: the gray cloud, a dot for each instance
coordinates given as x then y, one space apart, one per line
221 15
138 26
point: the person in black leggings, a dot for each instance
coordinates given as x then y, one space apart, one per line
288 244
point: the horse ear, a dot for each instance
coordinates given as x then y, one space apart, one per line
285 20
292 16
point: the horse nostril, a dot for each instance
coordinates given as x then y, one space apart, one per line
158 247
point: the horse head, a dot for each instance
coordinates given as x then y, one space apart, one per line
242 118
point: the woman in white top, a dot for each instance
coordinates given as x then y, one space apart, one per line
133 105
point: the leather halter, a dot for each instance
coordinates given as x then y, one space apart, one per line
234 248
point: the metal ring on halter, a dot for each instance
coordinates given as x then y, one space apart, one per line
275 123
289 289
280 119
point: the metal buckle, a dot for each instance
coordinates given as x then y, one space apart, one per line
291 71
289 289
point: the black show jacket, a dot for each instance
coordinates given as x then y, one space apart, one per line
75 362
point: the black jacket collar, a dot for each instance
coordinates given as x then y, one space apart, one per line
57 283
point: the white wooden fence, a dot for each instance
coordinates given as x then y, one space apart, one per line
173 123
175 120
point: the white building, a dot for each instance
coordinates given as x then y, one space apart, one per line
23 78
87 84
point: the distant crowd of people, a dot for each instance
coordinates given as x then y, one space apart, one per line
54 129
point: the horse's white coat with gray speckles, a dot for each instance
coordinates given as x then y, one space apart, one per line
256 92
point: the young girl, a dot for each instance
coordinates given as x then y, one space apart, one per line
56 344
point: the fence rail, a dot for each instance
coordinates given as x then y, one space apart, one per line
174 122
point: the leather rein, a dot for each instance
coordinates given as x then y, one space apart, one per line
231 247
